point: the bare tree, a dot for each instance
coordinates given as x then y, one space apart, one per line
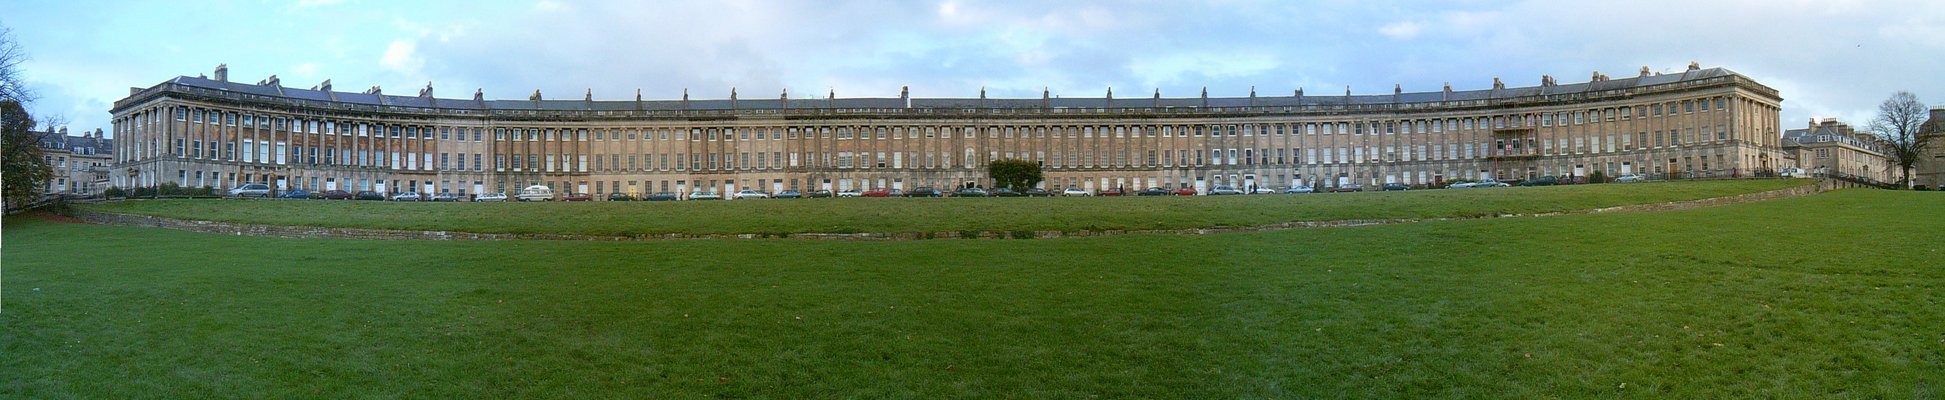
1899 120
12 86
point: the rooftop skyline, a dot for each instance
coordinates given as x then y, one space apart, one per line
1829 59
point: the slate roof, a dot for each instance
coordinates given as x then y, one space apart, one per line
1064 102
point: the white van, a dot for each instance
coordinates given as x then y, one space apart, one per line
536 193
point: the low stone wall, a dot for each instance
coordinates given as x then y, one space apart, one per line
283 231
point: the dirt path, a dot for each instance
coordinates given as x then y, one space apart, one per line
284 231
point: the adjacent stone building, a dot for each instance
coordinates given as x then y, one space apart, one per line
199 131
1829 147
82 164
1930 170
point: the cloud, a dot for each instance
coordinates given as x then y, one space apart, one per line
1400 30
399 57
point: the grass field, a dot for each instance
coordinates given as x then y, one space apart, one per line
1826 296
932 215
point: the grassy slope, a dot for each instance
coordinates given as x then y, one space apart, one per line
933 215
1834 295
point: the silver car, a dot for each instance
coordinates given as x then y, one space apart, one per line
1223 190
751 194
251 190
495 196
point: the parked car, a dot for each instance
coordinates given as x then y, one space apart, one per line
751 194
334 195
1074 191
1299 189
704 195
1460 185
970 192
1153 191
1185 192
1003 192
1632 178
407 196
536 193
662 196
1486 183
251 190
1110 192
577 197
879 192
298 194
495 196
788 194
1224 190
619 196
850 193
1037 192
1348 187
818 194
445 196
926 191
368 195
1548 180
1263 190
1395 186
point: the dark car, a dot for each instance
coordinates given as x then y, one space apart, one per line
298 194
1395 186
445 196
660 196
1038 192
818 194
788 194
1185 192
334 195
368 195
1348 187
620 197
927 191
970 192
1153 191
1111 192
578 197
1548 180
1004 192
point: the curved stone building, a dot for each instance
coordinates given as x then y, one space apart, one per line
197 131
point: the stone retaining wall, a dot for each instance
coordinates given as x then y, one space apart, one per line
283 231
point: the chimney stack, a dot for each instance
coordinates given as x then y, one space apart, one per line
223 72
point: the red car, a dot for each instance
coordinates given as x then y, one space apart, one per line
1110 192
334 195
876 193
1185 192
578 197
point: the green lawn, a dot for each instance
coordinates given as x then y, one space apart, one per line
1836 295
932 215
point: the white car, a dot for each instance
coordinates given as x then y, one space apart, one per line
1223 190
536 193
406 196
1630 178
1075 192
850 193
495 196
701 195
751 194
251 190
1264 190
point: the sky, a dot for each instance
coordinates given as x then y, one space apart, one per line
1828 58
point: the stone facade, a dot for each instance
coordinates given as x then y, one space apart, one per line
82 164
1829 147
1930 170
212 132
